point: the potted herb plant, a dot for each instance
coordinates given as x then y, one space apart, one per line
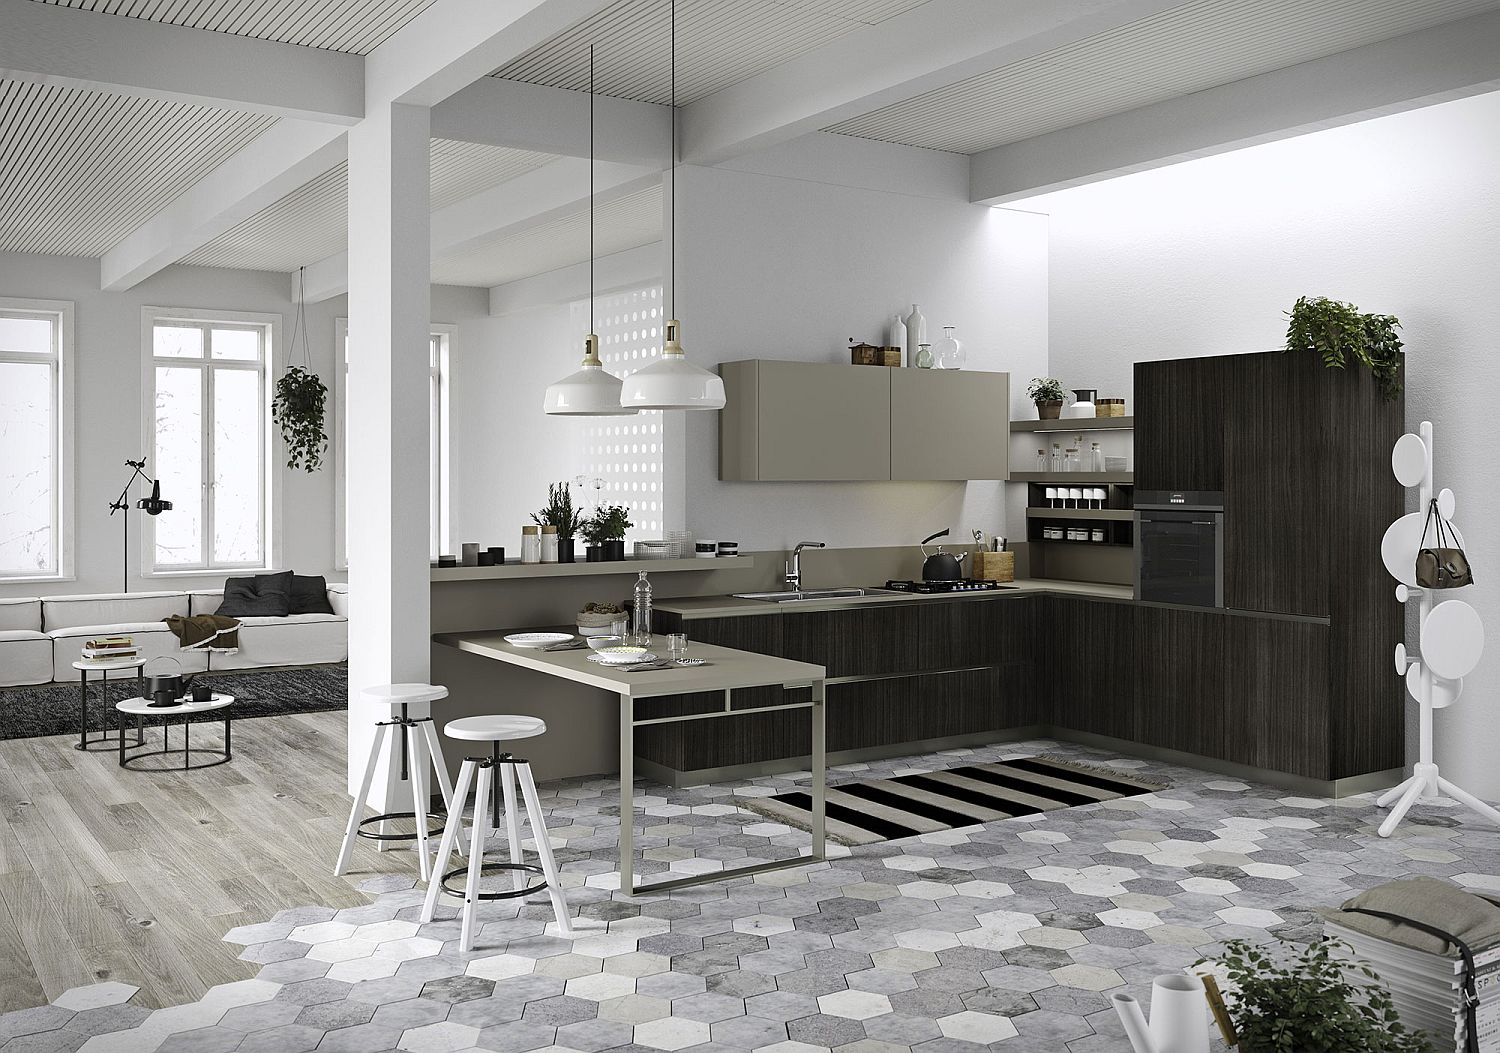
593 532
611 522
1047 393
1338 332
561 514
1307 999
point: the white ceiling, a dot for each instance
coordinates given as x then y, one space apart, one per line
625 223
1196 46
81 169
310 223
334 25
719 42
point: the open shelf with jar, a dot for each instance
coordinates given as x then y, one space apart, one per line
1079 508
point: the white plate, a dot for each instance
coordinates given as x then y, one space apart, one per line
610 657
537 639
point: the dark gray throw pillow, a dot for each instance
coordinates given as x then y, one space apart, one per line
260 596
310 594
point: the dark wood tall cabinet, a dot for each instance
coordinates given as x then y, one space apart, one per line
1302 455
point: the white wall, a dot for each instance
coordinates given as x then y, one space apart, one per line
789 267
1398 215
108 408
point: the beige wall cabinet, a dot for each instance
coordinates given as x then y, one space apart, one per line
950 424
813 421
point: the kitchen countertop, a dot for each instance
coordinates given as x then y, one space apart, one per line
729 606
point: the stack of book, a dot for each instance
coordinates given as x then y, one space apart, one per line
1427 989
104 649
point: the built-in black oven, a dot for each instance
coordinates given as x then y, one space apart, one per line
1179 547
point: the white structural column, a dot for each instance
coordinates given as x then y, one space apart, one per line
389 304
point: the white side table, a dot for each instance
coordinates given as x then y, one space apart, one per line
105 737
184 712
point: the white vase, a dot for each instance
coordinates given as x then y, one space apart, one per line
897 335
916 333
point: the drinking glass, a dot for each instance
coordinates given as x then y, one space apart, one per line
677 645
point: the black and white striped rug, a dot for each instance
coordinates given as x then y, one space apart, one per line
862 813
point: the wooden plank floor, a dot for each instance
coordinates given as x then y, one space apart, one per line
108 874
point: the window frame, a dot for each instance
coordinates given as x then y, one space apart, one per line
62 405
440 494
270 479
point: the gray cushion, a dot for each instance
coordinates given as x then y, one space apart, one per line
261 595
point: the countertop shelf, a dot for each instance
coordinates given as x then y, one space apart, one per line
570 570
1083 424
1120 514
1061 478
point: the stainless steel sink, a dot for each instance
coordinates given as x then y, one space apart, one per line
803 594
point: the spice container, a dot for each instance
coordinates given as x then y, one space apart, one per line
531 544
1097 535
549 544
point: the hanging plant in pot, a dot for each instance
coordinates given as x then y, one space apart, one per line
301 401
298 410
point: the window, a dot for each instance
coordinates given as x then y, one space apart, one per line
36 433
439 353
207 439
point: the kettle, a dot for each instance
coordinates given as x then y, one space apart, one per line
940 565
167 689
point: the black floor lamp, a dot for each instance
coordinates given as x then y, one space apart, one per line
152 506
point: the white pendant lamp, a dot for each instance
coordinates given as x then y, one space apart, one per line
672 382
592 391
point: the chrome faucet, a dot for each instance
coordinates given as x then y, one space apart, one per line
794 565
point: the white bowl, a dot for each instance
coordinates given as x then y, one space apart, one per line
596 642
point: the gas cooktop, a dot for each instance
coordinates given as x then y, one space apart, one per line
956 585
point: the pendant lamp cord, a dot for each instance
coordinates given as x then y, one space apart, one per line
591 188
672 286
299 326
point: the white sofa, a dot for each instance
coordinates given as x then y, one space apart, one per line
41 638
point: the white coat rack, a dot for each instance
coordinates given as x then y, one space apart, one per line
1451 635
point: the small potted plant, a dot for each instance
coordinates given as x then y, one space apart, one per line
1310 1000
611 522
593 531
1338 332
1047 393
561 514
601 619
298 411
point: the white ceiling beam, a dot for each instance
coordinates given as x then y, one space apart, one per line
1432 65
275 163
48 44
455 42
450 45
555 121
540 196
619 270
931 46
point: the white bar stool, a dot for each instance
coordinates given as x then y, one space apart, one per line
419 748
479 773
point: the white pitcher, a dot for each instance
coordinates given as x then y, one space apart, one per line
1179 1016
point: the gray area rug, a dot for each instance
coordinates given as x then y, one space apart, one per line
872 810
52 709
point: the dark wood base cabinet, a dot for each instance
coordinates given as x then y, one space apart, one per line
1259 690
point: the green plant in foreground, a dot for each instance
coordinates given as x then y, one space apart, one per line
1305 1000
298 410
609 523
560 512
1044 389
1338 332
